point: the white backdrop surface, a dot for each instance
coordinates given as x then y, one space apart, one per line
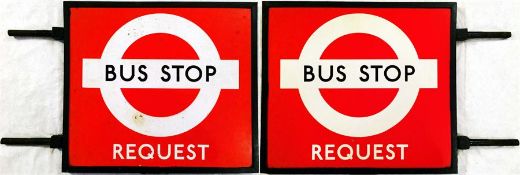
31 81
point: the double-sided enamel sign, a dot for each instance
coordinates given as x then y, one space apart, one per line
347 87
358 87
160 87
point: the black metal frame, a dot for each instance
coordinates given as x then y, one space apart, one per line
264 94
66 167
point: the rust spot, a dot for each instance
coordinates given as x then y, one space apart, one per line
138 118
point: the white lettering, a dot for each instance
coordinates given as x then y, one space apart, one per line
348 156
167 155
329 152
316 152
358 151
117 148
149 155
130 150
402 146
378 151
149 151
390 150
203 150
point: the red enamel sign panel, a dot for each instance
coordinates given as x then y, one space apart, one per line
160 87
358 87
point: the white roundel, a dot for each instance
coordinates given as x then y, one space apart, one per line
349 125
123 111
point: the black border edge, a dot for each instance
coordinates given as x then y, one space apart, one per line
453 89
265 88
66 88
66 167
266 5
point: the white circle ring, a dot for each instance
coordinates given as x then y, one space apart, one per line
151 125
358 126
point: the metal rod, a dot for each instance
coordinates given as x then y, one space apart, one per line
30 33
464 142
493 142
464 34
56 33
26 141
502 35
55 141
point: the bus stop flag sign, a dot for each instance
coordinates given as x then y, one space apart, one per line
169 87
359 87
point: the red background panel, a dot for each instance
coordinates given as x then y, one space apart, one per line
291 130
227 129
